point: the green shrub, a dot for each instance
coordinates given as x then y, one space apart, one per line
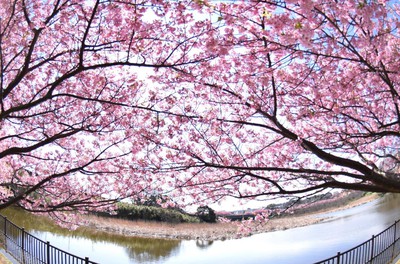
206 214
153 213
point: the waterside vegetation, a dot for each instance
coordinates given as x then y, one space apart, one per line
151 213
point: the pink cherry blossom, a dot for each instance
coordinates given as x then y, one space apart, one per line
109 100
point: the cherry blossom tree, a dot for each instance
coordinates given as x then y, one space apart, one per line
75 103
199 100
303 97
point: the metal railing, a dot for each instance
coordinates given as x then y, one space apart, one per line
28 249
380 249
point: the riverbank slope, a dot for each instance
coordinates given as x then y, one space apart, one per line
217 231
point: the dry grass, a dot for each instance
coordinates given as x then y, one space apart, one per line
203 231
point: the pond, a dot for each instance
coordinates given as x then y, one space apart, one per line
343 230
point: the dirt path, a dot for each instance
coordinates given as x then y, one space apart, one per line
204 231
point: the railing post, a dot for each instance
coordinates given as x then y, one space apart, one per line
5 233
48 252
372 248
393 245
23 239
5 226
338 258
86 260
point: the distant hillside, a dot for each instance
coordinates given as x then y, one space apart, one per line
298 206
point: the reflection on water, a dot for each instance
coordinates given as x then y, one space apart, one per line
139 249
203 244
389 202
344 230
150 250
382 212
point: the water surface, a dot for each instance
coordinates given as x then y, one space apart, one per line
342 231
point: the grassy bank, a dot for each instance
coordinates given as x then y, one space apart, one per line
332 202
